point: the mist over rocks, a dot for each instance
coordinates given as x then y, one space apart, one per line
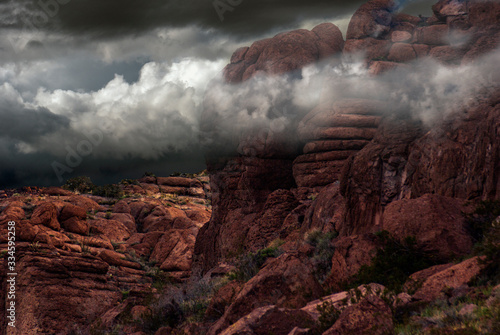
380 95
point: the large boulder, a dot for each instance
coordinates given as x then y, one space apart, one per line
351 253
370 316
284 52
450 277
372 19
439 227
286 281
174 251
46 214
270 320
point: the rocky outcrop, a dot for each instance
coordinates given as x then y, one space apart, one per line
284 52
455 160
59 292
377 156
370 316
76 255
333 132
260 170
270 319
439 227
449 278
286 281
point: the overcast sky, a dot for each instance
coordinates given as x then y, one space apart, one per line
122 81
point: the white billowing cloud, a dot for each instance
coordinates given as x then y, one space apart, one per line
158 114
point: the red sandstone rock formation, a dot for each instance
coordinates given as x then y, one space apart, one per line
76 257
358 170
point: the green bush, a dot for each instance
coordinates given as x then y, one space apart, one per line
248 265
329 314
323 252
484 227
108 191
393 263
481 220
80 184
129 182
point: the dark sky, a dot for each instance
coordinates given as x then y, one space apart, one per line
135 71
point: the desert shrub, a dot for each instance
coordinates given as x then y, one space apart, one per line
323 252
329 314
81 184
484 226
248 265
393 263
108 191
481 220
163 312
129 182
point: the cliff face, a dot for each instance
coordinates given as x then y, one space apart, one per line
357 153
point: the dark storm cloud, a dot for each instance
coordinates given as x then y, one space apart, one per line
21 122
110 18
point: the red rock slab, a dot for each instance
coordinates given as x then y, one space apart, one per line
444 8
71 210
401 36
372 48
317 173
406 18
432 35
333 145
330 41
483 45
439 227
360 106
452 277
447 54
239 55
402 52
484 13
85 202
114 230
340 155
380 67
46 214
344 120
421 50
117 259
286 281
371 316
417 278
56 191
336 133
270 320
372 19
174 251
345 133
178 182
76 225
350 254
